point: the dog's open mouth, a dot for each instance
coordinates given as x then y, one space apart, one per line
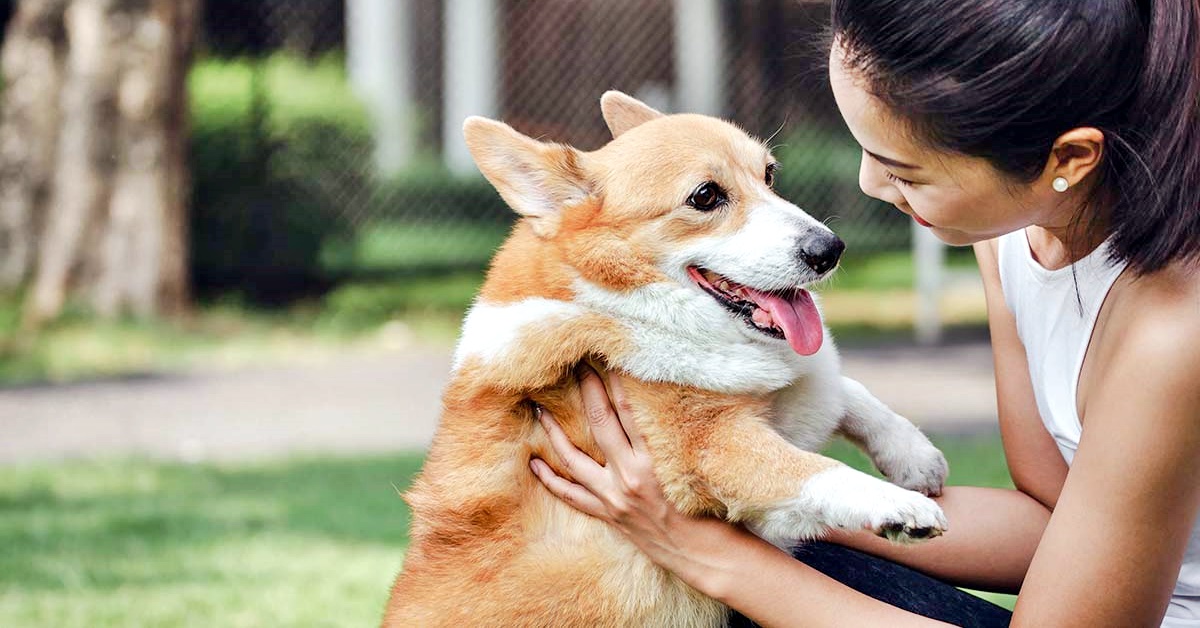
790 315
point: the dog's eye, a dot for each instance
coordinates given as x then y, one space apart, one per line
770 178
707 197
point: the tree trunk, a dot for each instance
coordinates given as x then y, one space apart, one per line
113 211
32 60
141 267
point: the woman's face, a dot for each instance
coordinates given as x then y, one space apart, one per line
961 199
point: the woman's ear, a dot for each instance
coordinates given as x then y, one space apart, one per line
1075 155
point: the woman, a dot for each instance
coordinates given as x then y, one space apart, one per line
1060 138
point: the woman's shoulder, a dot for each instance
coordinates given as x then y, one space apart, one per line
1169 297
1143 367
1156 318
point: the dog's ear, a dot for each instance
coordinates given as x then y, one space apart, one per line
538 180
623 112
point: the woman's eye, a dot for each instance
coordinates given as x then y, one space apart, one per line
894 179
770 178
707 197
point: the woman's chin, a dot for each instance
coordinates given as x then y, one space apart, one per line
954 237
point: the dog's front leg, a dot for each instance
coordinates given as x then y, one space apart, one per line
786 495
899 450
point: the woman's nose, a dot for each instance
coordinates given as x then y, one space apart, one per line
874 184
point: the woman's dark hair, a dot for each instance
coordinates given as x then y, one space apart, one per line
1002 79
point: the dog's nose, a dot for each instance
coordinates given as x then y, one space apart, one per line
822 252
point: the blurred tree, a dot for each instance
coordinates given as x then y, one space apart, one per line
32 62
93 172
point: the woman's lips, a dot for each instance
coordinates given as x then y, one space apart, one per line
920 221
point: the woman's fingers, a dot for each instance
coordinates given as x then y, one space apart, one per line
602 419
625 492
580 465
624 411
574 494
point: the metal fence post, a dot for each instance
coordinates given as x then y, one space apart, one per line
699 64
379 55
929 257
471 58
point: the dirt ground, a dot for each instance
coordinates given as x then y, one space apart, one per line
384 402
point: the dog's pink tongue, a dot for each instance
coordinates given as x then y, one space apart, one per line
797 317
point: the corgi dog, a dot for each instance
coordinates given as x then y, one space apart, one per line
666 257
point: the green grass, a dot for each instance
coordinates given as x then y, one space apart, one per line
396 247
894 270
974 461
78 346
432 306
227 334
385 246
230 334
869 300
303 542
299 543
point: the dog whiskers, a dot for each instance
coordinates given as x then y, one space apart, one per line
777 131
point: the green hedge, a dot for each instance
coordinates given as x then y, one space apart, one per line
284 200
263 132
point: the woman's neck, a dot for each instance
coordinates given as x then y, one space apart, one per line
1066 238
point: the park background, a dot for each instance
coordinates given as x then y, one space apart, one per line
237 237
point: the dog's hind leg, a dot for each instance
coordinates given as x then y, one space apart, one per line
899 450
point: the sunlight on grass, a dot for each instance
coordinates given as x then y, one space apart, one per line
298 542
217 336
303 542
870 298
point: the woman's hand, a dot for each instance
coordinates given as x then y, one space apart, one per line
720 560
623 493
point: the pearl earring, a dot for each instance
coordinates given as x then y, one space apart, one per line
1061 184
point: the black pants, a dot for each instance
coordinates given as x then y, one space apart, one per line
897 585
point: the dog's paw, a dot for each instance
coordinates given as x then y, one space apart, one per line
853 500
921 468
847 499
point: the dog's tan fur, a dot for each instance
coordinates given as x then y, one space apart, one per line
489 544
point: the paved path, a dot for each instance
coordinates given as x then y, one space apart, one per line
381 402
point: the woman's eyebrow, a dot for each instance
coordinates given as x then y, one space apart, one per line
887 161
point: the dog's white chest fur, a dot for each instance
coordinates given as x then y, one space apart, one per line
490 332
675 335
681 336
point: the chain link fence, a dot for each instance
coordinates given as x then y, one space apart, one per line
326 138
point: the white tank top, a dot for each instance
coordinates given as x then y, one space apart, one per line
1055 311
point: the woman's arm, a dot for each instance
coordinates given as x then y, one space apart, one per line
1112 552
993 532
992 537
737 568
718 559
1034 461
